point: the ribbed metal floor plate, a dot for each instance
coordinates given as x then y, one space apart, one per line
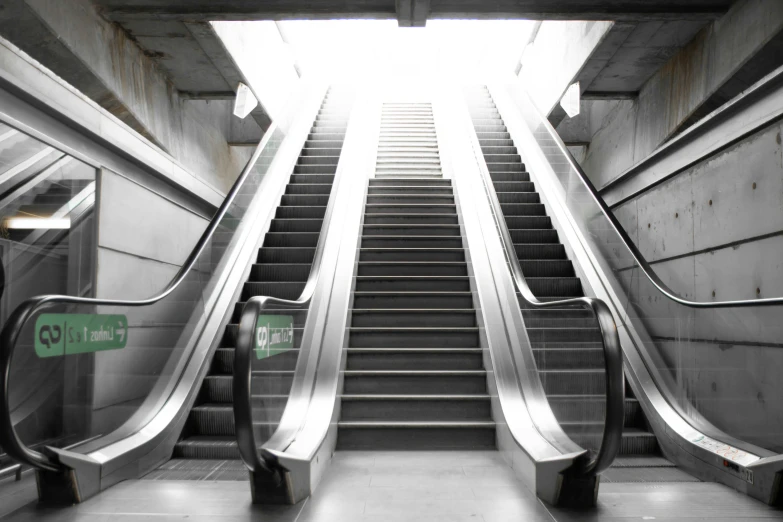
659 474
200 470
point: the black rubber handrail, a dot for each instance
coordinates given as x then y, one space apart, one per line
613 356
262 462
9 439
629 244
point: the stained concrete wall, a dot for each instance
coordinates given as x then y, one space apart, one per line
98 59
558 53
693 78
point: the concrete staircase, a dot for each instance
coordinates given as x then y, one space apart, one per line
414 377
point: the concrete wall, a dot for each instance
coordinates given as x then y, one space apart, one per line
558 53
99 59
695 77
715 232
136 259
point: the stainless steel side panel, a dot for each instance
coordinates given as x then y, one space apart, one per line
676 436
307 435
153 441
527 433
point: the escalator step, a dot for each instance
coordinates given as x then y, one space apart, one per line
414 359
206 447
394 268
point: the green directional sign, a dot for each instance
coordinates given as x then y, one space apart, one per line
67 334
274 335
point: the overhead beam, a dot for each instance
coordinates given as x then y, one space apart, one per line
618 10
609 95
412 13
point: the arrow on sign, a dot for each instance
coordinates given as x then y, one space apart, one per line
121 332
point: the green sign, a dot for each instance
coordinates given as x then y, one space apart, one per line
274 335
67 334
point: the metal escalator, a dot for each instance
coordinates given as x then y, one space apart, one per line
208 446
566 341
670 433
163 385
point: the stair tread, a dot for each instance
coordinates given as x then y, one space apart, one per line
434 397
416 424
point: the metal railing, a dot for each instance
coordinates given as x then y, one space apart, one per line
647 270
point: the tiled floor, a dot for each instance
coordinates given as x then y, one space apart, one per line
401 486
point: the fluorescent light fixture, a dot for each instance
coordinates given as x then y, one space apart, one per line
34 223
570 100
245 102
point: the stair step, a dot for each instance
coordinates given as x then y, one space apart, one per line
280 272
555 286
508 176
451 382
415 408
424 183
408 208
400 337
411 318
291 239
413 300
286 255
300 212
207 447
532 268
414 241
412 284
412 254
412 268
296 225
540 251
411 219
414 359
411 230
415 436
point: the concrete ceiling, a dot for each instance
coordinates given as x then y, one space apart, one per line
176 34
412 12
629 54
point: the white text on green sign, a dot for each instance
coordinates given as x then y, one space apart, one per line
274 335
67 334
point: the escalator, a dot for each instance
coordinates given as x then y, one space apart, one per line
208 446
566 341
418 337
117 412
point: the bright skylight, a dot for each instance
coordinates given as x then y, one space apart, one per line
379 49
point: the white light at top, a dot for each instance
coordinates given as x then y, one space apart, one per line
463 50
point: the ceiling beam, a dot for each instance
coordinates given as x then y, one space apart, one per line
609 95
412 13
204 10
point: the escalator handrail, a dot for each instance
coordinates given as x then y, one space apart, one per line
243 368
647 270
613 357
9 439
